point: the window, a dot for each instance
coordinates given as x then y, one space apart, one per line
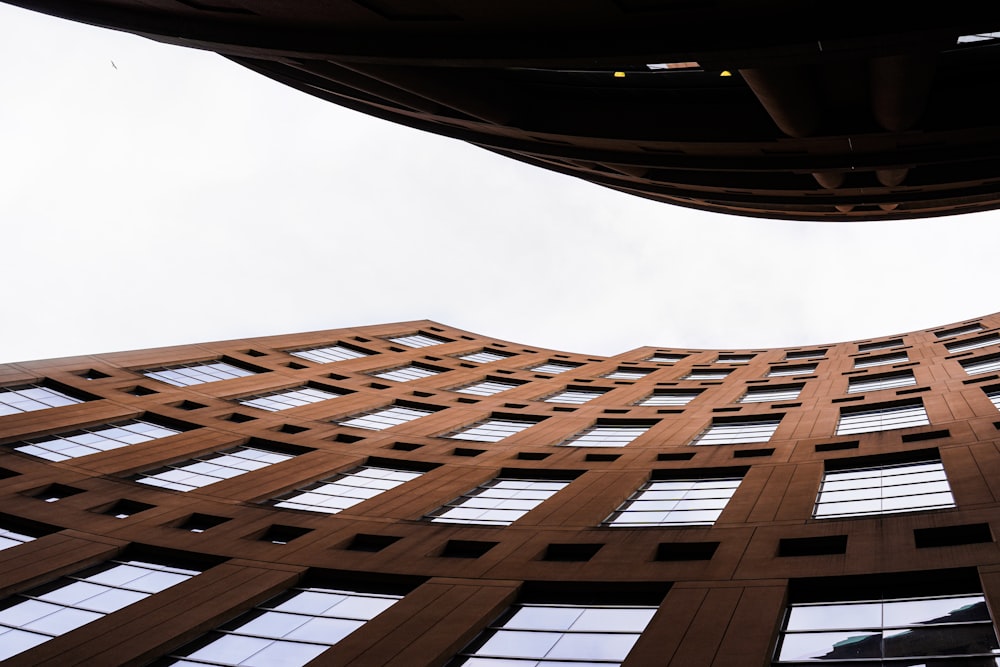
734 358
33 618
575 395
12 538
676 502
804 354
865 383
973 343
994 396
494 429
670 397
881 360
771 393
607 435
419 339
880 345
30 397
485 356
95 439
738 432
198 372
383 418
288 630
406 373
707 374
326 355
554 367
883 489
211 468
665 358
283 399
971 366
959 331
344 490
559 634
800 369
488 387
629 373
876 628
882 417
499 502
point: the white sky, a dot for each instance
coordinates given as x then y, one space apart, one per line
181 198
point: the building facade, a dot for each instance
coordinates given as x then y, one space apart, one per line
415 494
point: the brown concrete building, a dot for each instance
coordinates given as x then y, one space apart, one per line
781 109
413 494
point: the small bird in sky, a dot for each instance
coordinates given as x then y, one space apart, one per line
113 64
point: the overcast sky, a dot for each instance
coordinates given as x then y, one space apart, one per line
153 195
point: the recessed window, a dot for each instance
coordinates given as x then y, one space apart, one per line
291 629
486 356
383 418
85 441
666 358
882 417
865 383
12 538
406 373
734 358
345 490
974 366
626 373
419 339
283 399
973 343
670 397
35 617
804 354
738 432
880 345
772 393
607 435
199 372
994 395
799 369
31 397
676 502
488 387
554 367
330 353
883 489
211 468
959 331
708 374
881 360
559 634
499 502
15 531
575 395
493 429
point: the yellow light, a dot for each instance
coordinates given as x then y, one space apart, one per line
619 75
725 72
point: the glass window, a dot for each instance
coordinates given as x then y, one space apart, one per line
41 614
974 366
344 490
738 433
670 397
973 343
30 397
485 356
383 418
800 369
708 374
994 396
628 373
419 339
880 345
487 387
12 538
734 358
863 383
499 502
211 468
884 489
804 354
675 502
606 435
575 395
289 630
559 635
405 373
773 392
492 430
880 360
84 441
909 632
199 372
283 399
959 331
881 418
665 358
331 353
554 367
